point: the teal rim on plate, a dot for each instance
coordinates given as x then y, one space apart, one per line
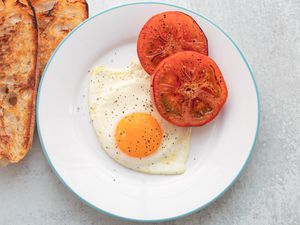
101 210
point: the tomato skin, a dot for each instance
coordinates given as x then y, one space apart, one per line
188 89
167 33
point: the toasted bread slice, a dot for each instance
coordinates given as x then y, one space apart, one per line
18 79
56 18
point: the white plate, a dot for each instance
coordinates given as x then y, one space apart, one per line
218 152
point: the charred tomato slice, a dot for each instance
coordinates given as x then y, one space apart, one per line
188 89
167 33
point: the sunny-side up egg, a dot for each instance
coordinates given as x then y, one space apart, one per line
128 126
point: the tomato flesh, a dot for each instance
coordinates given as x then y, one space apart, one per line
188 89
167 33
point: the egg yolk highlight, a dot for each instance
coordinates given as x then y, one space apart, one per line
138 135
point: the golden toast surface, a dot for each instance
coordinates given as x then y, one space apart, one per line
56 18
18 80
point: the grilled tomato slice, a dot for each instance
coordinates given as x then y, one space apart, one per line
167 33
188 89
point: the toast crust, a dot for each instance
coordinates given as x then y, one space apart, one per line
18 78
56 18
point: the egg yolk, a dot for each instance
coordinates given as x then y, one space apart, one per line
138 135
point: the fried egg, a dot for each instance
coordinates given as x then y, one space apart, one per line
128 126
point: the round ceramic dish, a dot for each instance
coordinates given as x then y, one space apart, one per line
218 151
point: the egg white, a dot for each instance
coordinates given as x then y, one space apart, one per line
115 93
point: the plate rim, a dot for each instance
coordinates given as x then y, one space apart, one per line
127 218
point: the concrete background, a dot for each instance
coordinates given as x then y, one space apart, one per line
267 193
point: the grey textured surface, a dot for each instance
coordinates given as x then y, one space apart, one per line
268 191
